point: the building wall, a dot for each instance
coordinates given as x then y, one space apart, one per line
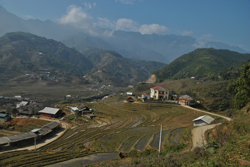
2 120
155 94
199 123
46 115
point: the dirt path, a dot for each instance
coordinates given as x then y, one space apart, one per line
227 118
198 137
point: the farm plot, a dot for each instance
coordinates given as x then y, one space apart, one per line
112 141
143 142
128 144
155 142
175 136
41 158
140 121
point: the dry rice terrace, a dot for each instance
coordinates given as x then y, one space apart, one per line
118 126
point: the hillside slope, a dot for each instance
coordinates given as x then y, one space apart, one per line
200 63
110 67
22 53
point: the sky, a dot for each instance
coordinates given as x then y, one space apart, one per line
226 21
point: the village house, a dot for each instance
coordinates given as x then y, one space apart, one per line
159 92
22 103
131 99
4 117
129 94
18 139
145 96
52 126
28 137
51 112
203 120
186 100
82 110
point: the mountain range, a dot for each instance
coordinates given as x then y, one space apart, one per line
160 48
24 53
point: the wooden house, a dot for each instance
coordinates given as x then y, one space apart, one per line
131 99
186 100
51 112
83 110
4 117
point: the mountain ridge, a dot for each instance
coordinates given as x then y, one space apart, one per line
200 63
129 44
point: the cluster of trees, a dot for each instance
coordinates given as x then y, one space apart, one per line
241 87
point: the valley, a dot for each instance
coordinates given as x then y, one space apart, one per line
118 127
124 83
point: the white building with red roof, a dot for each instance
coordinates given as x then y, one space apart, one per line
159 92
145 96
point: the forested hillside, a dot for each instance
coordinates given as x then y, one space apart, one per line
200 63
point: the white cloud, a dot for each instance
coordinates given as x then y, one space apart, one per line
78 18
105 23
185 33
130 25
125 24
206 37
152 28
89 5
203 41
28 17
130 2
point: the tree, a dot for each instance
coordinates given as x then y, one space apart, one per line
241 87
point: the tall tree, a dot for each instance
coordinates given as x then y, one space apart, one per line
242 87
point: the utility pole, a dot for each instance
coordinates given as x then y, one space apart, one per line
74 121
35 143
160 139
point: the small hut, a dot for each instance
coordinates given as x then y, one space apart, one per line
203 120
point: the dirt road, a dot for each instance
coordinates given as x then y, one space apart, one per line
198 137
227 118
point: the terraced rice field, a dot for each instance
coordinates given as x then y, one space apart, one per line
155 143
175 136
117 127
143 142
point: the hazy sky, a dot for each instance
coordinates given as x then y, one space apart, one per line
226 21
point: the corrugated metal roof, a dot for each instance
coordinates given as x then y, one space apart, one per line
187 97
22 136
82 107
160 88
205 118
35 130
49 110
44 131
4 140
23 103
3 115
52 125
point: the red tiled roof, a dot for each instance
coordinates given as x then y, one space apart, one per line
158 87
